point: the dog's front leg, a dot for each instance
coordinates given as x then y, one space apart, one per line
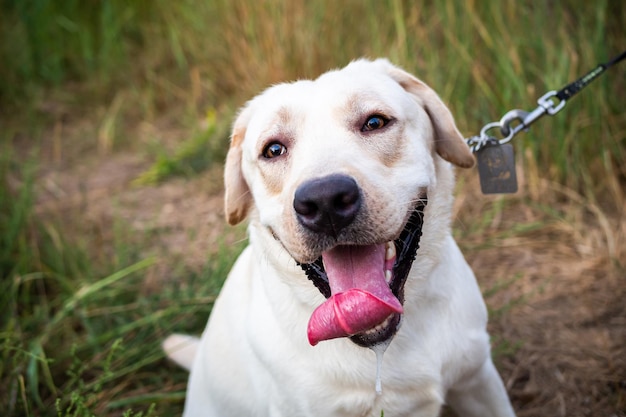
481 395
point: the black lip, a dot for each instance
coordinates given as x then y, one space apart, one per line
407 245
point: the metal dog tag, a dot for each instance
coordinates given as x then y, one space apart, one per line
496 168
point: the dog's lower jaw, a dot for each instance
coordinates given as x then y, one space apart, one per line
406 247
380 334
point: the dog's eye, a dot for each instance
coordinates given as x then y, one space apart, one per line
274 149
374 122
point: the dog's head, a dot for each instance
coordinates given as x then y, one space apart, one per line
338 171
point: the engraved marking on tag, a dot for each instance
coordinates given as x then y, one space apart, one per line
496 169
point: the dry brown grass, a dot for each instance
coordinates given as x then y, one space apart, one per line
553 273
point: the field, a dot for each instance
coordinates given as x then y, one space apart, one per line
114 122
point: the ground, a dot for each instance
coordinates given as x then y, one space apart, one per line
552 273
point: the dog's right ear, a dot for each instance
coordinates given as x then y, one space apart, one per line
237 199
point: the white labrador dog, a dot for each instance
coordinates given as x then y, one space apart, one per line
347 184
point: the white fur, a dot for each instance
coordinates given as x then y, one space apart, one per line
254 358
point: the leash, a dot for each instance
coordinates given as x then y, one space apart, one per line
496 162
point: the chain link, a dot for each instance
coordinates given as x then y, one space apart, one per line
515 121
550 103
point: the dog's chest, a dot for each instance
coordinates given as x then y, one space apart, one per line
345 385
350 401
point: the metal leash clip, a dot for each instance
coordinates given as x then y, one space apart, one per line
495 157
550 103
496 162
516 121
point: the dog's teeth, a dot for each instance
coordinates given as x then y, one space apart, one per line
380 327
390 253
388 276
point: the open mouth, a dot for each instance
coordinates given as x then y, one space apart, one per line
364 287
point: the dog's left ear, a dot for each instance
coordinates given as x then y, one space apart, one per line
449 142
237 197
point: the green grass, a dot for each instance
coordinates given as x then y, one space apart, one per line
80 335
195 154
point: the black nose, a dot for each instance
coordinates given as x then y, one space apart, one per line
328 204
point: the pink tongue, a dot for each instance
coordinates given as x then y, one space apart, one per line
361 298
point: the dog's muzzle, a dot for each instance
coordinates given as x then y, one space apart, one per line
363 284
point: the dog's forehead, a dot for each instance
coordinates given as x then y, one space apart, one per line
347 89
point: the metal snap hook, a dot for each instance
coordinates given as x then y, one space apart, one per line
510 117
